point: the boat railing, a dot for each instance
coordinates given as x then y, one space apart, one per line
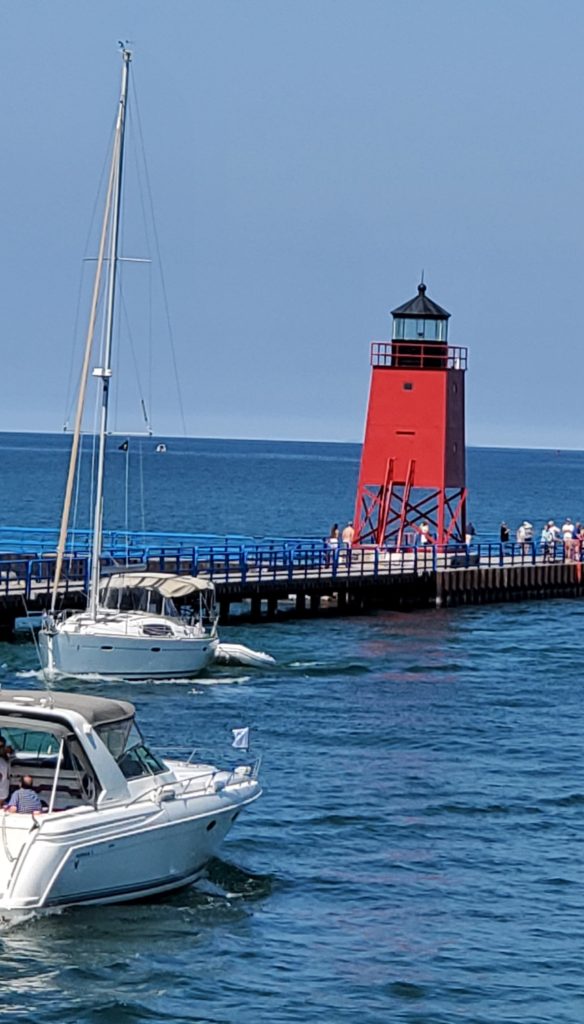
203 783
219 778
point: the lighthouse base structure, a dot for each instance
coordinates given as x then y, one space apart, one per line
392 515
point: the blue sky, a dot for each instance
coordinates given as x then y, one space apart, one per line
307 160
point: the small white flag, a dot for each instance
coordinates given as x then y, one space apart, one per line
241 738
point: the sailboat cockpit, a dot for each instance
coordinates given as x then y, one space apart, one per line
137 599
154 593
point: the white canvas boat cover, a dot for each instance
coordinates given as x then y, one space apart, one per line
165 583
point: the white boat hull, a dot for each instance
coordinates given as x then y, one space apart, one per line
81 654
90 856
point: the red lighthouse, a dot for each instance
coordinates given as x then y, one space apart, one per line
413 460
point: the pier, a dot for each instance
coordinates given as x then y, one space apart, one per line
275 579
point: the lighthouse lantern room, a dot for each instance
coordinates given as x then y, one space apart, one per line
412 475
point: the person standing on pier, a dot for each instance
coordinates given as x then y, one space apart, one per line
425 536
524 536
555 531
568 538
504 533
347 539
332 542
348 534
547 543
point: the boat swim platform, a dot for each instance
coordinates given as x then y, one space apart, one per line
269 581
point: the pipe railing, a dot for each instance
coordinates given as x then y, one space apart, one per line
30 577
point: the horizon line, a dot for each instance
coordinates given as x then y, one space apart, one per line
287 440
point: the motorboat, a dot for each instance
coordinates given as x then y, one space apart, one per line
117 821
137 631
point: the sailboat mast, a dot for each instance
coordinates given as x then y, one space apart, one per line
104 372
62 543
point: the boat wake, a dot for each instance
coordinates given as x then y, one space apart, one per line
228 881
10 919
220 680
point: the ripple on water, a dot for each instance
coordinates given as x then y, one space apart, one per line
414 857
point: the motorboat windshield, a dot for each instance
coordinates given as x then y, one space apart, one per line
126 744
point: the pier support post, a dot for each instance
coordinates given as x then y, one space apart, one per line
300 604
272 607
224 605
256 608
314 604
7 631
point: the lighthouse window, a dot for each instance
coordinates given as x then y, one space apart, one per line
408 386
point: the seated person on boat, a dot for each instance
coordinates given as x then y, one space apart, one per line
52 754
25 800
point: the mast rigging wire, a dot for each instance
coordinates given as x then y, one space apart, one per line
159 261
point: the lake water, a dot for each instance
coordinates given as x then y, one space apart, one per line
416 854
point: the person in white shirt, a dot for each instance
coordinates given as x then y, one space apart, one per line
568 537
555 530
347 538
425 537
348 534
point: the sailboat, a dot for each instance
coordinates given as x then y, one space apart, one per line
131 627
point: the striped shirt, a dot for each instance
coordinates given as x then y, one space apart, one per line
25 801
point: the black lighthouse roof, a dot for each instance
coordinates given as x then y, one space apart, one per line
421 307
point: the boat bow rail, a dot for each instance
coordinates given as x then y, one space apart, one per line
190 782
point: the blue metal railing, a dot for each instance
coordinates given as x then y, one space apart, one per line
30 574
45 539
